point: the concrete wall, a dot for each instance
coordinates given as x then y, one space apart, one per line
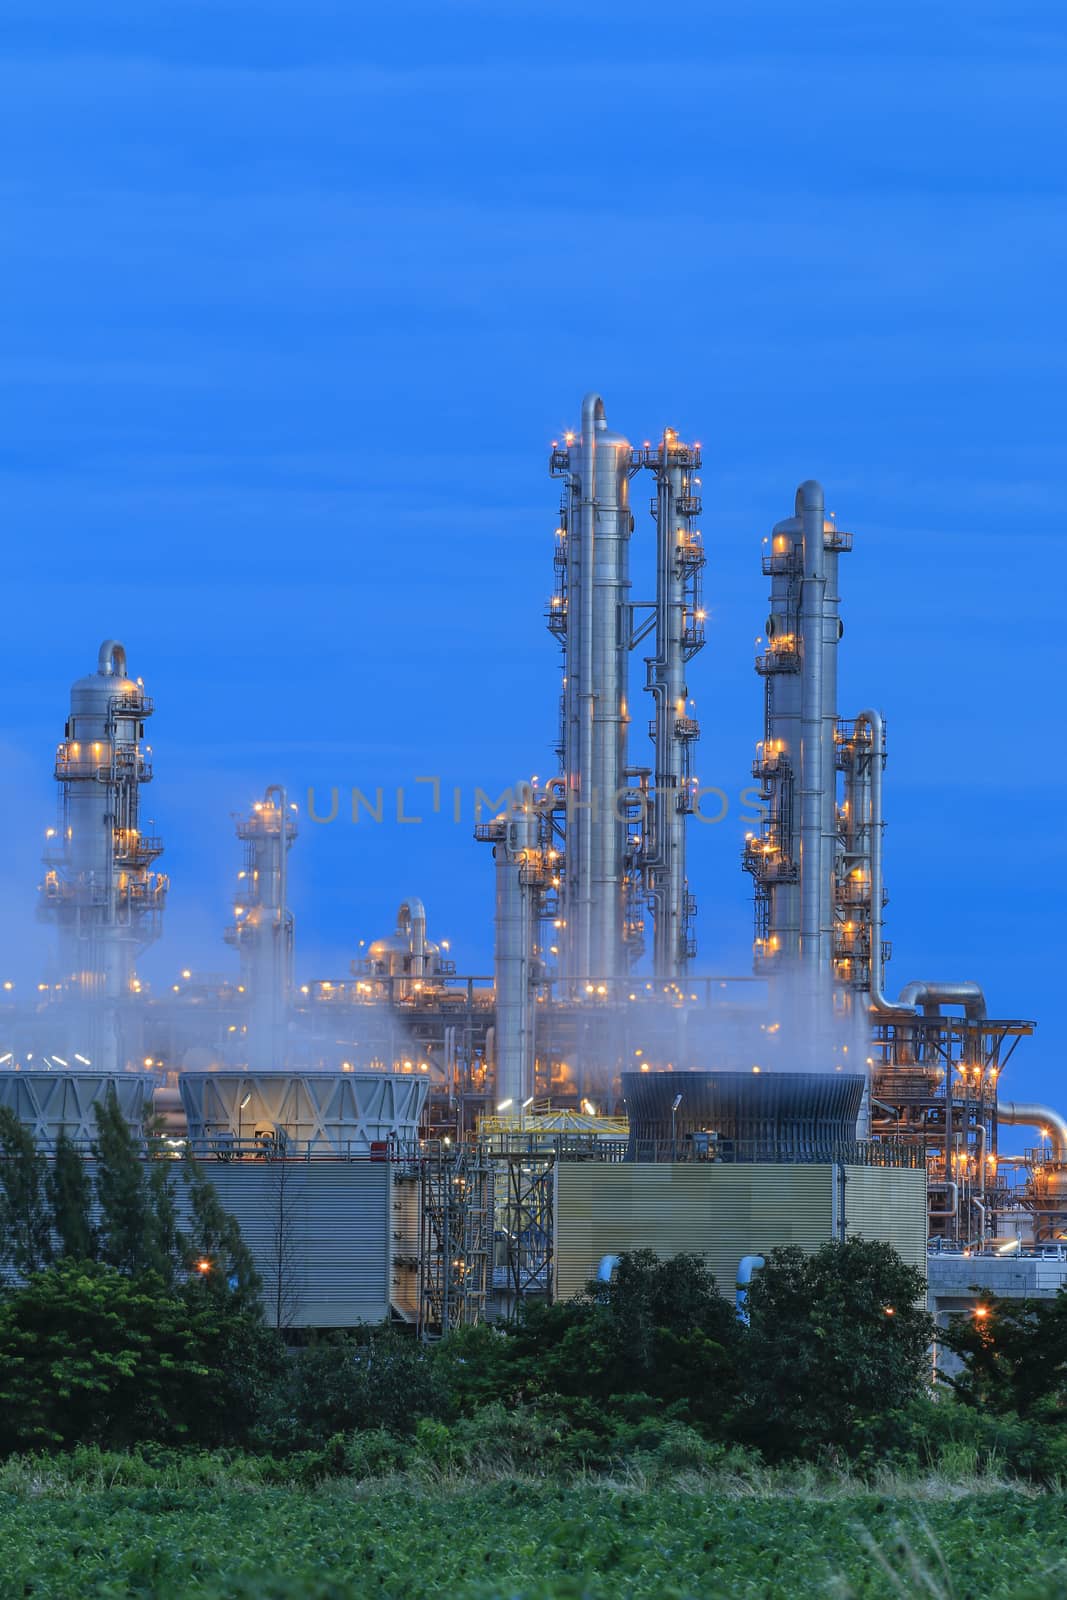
723 1212
956 1281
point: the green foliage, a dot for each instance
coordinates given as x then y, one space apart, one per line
944 1436
138 1231
194 1530
377 1380
214 1252
89 1354
25 1218
70 1194
1016 1357
374 1453
835 1338
660 1329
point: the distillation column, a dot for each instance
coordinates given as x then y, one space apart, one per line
794 858
262 929
100 889
591 618
522 873
679 635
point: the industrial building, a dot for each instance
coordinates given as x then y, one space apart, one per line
451 1142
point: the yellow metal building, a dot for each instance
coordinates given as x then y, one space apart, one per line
722 1211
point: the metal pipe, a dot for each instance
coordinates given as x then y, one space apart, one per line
930 997
746 1268
679 634
935 1188
411 920
814 919
874 852
983 1215
111 659
605 1268
516 852
592 417
1028 1114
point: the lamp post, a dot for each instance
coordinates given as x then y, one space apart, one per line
674 1124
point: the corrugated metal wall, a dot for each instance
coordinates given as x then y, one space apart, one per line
724 1212
326 1225
889 1203
322 1234
719 1212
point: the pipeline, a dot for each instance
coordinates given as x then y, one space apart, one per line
111 662
809 507
936 1188
411 921
1030 1115
930 997
746 1268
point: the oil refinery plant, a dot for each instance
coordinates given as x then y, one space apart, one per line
405 1140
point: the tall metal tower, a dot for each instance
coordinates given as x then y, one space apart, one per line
262 929
794 858
590 619
100 889
679 634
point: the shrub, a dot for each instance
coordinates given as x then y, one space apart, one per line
376 1453
376 1380
1015 1357
946 1436
836 1338
89 1355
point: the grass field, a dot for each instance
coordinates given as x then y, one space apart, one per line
94 1537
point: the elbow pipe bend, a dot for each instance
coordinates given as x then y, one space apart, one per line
111 661
1032 1115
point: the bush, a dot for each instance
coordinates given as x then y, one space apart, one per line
89 1355
836 1338
375 1454
377 1380
1015 1357
948 1437
660 1329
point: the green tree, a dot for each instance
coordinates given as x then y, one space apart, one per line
214 1251
659 1334
70 1194
1015 1356
25 1217
379 1379
836 1338
137 1216
89 1354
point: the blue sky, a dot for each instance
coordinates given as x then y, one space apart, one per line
296 296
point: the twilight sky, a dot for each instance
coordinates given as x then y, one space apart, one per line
297 293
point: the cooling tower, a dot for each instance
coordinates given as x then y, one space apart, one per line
754 1116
